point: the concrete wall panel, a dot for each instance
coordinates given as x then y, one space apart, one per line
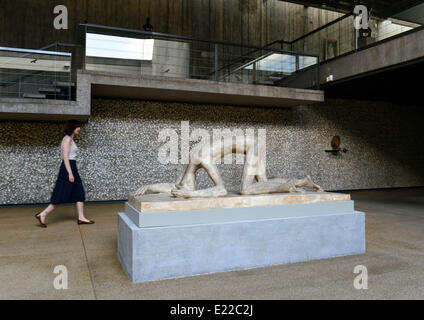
119 146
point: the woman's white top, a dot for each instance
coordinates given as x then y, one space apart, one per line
73 152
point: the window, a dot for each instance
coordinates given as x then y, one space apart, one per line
99 45
276 62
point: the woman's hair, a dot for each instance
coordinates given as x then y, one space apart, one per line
70 126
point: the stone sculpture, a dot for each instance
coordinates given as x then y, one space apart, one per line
206 156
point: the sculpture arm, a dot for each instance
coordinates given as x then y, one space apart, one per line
270 186
156 188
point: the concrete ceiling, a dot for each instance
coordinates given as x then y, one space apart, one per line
398 85
381 8
415 14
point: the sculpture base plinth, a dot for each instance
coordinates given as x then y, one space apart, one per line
226 239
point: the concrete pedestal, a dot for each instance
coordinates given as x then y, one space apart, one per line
268 236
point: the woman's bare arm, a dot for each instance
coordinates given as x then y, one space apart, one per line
66 149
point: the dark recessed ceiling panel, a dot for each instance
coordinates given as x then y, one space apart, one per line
380 8
415 14
401 85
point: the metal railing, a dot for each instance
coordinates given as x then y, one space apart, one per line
339 36
35 74
136 52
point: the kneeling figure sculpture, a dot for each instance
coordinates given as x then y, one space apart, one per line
205 156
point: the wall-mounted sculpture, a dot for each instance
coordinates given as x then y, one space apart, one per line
206 156
335 146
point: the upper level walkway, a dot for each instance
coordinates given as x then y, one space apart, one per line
123 63
396 52
392 45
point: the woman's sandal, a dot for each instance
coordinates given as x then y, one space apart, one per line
85 222
37 216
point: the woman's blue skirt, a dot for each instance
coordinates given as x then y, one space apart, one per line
66 191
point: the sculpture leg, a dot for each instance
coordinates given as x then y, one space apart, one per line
187 180
182 175
308 183
253 169
217 191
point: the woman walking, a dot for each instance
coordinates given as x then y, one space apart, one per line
69 188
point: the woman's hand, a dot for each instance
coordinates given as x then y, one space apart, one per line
71 178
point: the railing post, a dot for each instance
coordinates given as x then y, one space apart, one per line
55 76
297 63
254 73
84 48
355 39
70 80
317 75
216 62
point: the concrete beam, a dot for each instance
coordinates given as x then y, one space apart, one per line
101 84
50 110
35 109
397 51
112 85
393 53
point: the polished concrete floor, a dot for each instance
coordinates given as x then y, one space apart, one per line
28 255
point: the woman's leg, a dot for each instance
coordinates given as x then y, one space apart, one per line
43 214
80 210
